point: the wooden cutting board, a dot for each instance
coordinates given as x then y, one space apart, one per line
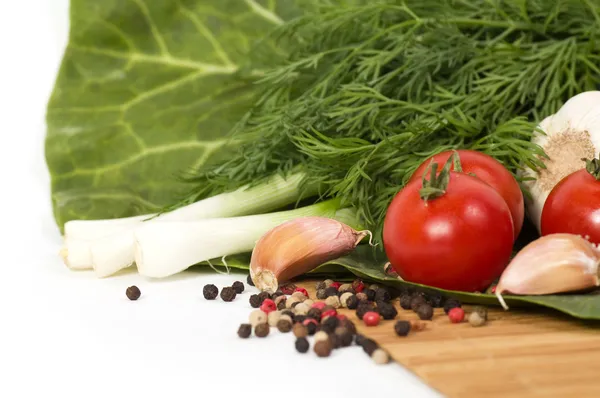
516 354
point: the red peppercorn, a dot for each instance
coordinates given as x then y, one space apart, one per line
301 290
371 318
342 317
456 315
309 320
358 286
336 285
319 304
268 305
329 313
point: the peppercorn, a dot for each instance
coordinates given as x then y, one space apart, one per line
482 311
335 341
273 317
374 286
369 346
228 294
257 317
425 312
295 304
299 330
311 328
380 357
370 294
451 303
333 301
344 336
344 297
346 287
314 313
456 315
476 319
320 285
360 339
382 294
288 288
371 318
268 305
245 330
278 293
364 307
238 287
348 325
263 296
327 282
210 292
405 301
288 313
329 324
387 310
328 308
328 313
309 302
352 302
416 302
321 335
262 330
436 300
255 301
358 285
289 302
299 318
323 348
402 328
302 345
301 296
301 290
321 294
336 285
330 291
319 304
280 302
362 296
284 325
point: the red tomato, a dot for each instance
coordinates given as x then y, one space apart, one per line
461 240
573 206
489 170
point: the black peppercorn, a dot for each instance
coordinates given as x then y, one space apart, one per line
369 346
348 325
311 328
262 330
344 336
210 292
425 312
238 287
402 328
416 302
299 318
284 326
331 291
405 301
281 305
255 301
263 296
352 302
329 324
249 281
314 313
133 293
451 303
435 299
245 330
363 308
387 310
296 303
360 339
382 294
227 294
302 345
370 294
335 340
277 294
288 313
321 294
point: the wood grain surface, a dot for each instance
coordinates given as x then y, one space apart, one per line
516 354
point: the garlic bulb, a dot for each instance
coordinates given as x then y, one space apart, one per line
555 263
570 134
298 246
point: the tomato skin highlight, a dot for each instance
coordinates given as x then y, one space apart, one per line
489 170
573 206
461 240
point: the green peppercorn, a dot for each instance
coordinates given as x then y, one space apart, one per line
245 330
210 292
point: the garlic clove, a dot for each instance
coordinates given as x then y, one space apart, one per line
298 246
555 263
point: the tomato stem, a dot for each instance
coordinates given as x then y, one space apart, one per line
592 167
437 184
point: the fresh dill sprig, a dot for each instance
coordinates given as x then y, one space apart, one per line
368 90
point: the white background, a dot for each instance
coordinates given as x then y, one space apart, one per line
70 334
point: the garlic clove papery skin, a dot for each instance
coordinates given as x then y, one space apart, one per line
556 263
299 246
570 134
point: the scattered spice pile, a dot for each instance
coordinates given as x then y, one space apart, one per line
290 309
